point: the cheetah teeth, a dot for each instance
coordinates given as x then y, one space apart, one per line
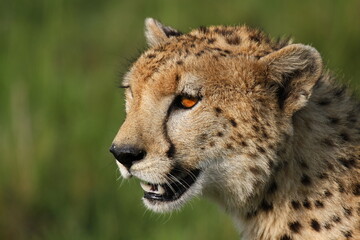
152 188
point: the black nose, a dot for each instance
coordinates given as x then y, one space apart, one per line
127 154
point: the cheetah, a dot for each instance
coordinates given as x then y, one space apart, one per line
255 124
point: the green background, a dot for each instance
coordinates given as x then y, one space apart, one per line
60 65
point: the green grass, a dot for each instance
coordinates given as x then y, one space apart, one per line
60 64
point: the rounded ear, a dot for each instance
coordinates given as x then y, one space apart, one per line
157 33
295 69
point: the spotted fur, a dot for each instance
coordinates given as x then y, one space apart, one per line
275 136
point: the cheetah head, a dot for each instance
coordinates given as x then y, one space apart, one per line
209 112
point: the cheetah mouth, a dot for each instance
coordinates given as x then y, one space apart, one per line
181 181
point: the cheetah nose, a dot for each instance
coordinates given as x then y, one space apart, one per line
127 154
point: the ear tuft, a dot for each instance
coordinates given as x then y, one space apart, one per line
296 68
157 33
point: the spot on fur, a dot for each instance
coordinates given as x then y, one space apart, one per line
251 214
265 135
322 175
319 204
295 227
229 146
305 180
295 204
345 137
211 40
260 149
330 166
256 37
304 165
315 225
233 40
266 206
198 54
271 163
348 163
347 234
177 77
307 204
356 189
150 56
327 193
233 122
342 188
255 170
336 219
256 128
218 110
347 212
285 237
272 188
328 226
244 144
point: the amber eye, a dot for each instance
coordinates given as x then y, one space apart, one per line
188 102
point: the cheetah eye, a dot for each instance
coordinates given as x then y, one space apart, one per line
186 102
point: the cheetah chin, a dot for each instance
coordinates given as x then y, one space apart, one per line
184 184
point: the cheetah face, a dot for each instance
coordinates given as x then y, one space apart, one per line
180 137
209 119
161 138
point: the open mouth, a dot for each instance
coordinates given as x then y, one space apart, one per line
180 181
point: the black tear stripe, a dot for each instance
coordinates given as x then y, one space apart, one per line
170 153
172 150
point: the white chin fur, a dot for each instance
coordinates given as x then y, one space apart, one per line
162 207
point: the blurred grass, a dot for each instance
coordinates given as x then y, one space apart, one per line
60 109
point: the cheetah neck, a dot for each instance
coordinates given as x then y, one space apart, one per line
313 194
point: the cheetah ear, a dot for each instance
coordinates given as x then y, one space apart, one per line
157 33
295 69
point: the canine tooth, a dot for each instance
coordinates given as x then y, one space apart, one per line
153 188
146 187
